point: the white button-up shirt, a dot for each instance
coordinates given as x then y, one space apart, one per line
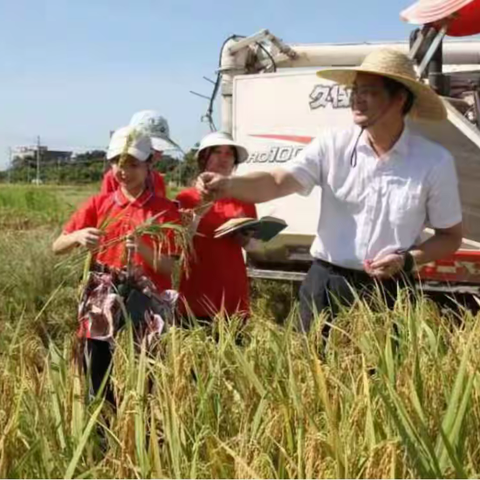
382 204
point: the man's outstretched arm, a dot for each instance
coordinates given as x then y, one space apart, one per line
254 187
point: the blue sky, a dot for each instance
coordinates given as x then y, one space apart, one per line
73 70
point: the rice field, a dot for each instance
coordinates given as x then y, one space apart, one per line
386 402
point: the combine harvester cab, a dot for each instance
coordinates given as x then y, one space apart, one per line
273 102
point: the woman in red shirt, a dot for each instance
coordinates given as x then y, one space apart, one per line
215 280
150 123
106 225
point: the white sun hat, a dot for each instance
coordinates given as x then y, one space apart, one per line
130 141
217 139
156 127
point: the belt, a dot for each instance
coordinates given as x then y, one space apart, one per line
362 276
349 273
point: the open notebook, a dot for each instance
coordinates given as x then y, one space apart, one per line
264 228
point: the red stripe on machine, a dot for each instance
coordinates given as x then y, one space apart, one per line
287 138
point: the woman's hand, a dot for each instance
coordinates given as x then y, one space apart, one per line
186 216
243 238
88 238
203 208
191 217
132 242
159 262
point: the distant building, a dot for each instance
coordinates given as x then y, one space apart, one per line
46 155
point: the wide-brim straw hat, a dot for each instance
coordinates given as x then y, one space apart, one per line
392 64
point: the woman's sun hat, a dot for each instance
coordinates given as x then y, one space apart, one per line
217 139
130 141
156 127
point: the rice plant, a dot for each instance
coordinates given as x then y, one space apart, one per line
397 393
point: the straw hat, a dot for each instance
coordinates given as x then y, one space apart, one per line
397 66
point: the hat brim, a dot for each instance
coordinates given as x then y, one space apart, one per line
427 105
242 152
163 144
134 152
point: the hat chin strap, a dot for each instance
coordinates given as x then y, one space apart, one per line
353 156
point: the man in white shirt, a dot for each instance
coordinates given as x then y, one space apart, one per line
381 184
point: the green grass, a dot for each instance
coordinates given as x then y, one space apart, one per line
26 206
73 195
201 408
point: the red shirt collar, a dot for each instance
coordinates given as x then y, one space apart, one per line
139 202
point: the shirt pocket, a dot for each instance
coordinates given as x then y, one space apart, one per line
406 204
349 187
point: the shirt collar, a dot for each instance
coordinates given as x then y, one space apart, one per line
400 147
139 202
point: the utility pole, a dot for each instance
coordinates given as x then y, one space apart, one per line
38 161
9 168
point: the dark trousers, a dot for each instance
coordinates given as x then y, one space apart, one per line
97 364
327 287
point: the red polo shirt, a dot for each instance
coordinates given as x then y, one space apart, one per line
217 277
117 217
110 183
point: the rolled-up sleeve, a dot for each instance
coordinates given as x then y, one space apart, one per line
444 209
86 216
306 166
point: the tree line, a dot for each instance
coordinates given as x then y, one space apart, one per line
89 167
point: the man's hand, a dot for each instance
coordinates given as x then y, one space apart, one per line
255 187
385 267
88 238
212 186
